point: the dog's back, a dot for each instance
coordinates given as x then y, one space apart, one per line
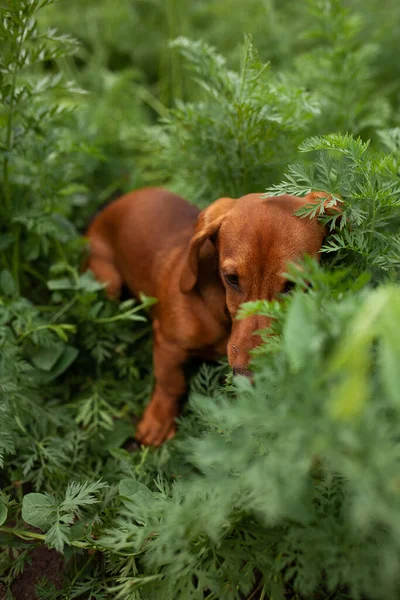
132 238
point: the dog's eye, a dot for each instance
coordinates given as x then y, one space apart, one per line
288 287
232 279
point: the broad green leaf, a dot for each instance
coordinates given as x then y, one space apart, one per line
76 532
63 283
350 396
300 333
46 358
67 229
88 283
133 491
3 512
5 315
64 362
38 510
73 188
389 347
362 330
116 437
7 284
389 361
277 591
6 239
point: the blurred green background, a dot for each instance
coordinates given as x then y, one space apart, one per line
345 54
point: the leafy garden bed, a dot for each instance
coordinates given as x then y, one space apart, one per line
288 488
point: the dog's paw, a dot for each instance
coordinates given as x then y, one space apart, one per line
153 431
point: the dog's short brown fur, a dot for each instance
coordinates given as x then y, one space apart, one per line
201 267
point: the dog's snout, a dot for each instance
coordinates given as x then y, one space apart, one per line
243 372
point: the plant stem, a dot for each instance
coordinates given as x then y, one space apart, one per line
31 535
8 150
65 308
10 118
29 269
16 258
263 591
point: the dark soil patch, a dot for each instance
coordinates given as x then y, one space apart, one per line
44 563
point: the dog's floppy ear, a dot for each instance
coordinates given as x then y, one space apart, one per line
208 223
329 208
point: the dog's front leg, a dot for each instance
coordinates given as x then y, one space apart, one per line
158 421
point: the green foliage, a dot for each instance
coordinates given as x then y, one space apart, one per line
284 488
339 67
239 135
44 512
367 185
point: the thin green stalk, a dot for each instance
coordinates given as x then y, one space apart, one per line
170 63
79 573
263 591
146 96
29 269
10 120
61 251
64 309
105 194
8 145
58 329
16 258
121 317
6 163
31 535
243 70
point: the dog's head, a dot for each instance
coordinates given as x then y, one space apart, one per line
255 239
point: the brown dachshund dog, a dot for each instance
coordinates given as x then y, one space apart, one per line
201 266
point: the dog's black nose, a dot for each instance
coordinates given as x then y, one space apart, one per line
243 372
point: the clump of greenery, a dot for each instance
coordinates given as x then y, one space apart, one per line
287 488
340 66
367 229
51 315
240 134
292 488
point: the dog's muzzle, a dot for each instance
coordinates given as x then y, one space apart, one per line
244 372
